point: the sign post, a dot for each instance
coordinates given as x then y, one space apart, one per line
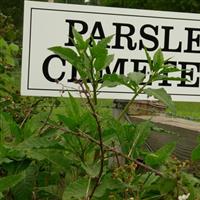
47 25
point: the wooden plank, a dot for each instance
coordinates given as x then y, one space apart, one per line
171 121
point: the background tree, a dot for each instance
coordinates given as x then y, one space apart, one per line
14 8
170 5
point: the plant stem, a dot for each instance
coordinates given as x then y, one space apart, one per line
29 112
133 145
99 130
94 94
107 148
140 90
130 102
47 119
88 188
141 188
116 155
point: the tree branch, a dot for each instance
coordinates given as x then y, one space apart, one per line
100 142
29 112
47 119
107 148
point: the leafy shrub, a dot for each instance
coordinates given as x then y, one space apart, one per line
21 108
85 155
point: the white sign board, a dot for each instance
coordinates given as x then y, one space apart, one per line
50 24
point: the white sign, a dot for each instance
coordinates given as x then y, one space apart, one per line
50 24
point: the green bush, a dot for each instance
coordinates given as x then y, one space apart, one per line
85 154
170 5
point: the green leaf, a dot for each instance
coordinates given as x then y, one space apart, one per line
34 142
4 155
110 84
136 77
198 139
141 134
91 170
167 185
103 61
3 43
10 60
75 106
67 54
13 153
34 155
24 189
158 60
192 183
109 59
99 62
196 153
148 179
73 145
108 183
10 181
74 109
149 59
56 157
9 127
162 96
68 121
165 77
51 191
100 51
14 48
86 61
88 123
105 41
161 155
169 69
112 80
81 44
190 179
76 189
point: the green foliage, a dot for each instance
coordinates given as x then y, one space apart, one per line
14 10
27 182
161 155
196 152
162 96
121 139
170 5
9 66
8 61
7 54
84 153
10 181
8 30
76 190
132 80
109 185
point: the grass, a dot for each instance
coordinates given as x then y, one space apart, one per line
189 110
